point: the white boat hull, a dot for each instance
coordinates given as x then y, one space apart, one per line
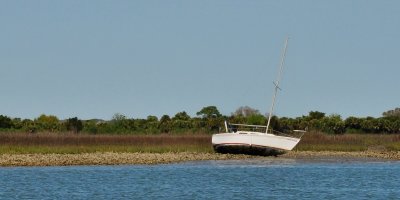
253 141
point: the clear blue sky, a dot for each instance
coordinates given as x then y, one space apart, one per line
94 58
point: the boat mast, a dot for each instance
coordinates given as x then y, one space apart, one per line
276 83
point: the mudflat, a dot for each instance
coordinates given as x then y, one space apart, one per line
111 158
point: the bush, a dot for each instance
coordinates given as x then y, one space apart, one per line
74 124
5 122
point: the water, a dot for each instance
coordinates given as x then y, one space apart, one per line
270 178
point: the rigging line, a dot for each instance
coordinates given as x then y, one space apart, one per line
276 83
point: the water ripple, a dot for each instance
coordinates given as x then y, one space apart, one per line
233 179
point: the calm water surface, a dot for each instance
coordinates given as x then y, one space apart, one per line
270 178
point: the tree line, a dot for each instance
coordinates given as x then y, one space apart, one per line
207 120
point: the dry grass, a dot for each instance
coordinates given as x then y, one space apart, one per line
72 143
74 139
348 142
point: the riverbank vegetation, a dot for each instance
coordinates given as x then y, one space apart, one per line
183 133
48 143
207 121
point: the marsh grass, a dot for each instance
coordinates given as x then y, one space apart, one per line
46 143
316 141
72 143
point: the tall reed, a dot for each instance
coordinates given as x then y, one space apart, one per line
316 141
72 143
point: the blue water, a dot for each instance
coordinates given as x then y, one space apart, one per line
270 178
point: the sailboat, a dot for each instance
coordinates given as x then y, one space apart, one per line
257 139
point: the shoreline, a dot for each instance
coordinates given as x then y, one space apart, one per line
112 158
343 156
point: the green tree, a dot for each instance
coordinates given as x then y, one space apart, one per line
211 119
333 124
141 125
396 126
367 125
386 126
353 123
152 118
152 124
274 123
257 119
74 124
90 126
286 124
181 116
29 126
237 119
316 115
181 121
118 117
5 122
119 124
165 124
209 112
17 123
214 124
48 122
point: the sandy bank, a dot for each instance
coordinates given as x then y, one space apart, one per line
108 158
161 158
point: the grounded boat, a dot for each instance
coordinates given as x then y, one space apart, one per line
271 143
257 139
